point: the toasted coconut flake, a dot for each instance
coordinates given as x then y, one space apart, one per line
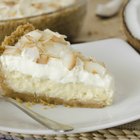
12 50
55 49
29 38
30 53
35 35
94 68
56 37
54 33
84 58
43 59
69 59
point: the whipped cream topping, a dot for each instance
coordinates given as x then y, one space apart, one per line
10 9
46 55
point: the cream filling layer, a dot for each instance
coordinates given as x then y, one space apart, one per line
56 71
36 86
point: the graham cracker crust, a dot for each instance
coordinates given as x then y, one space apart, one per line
55 101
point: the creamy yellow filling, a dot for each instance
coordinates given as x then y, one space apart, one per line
21 83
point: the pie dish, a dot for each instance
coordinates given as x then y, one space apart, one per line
127 79
67 20
14 9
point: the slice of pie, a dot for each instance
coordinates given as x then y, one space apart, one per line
40 66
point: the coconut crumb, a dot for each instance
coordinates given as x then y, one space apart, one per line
28 104
47 104
19 100
43 102
68 106
51 106
45 108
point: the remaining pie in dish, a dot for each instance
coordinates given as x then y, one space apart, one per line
40 66
11 9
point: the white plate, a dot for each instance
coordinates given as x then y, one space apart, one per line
124 64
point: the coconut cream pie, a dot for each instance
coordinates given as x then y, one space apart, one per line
41 66
10 9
